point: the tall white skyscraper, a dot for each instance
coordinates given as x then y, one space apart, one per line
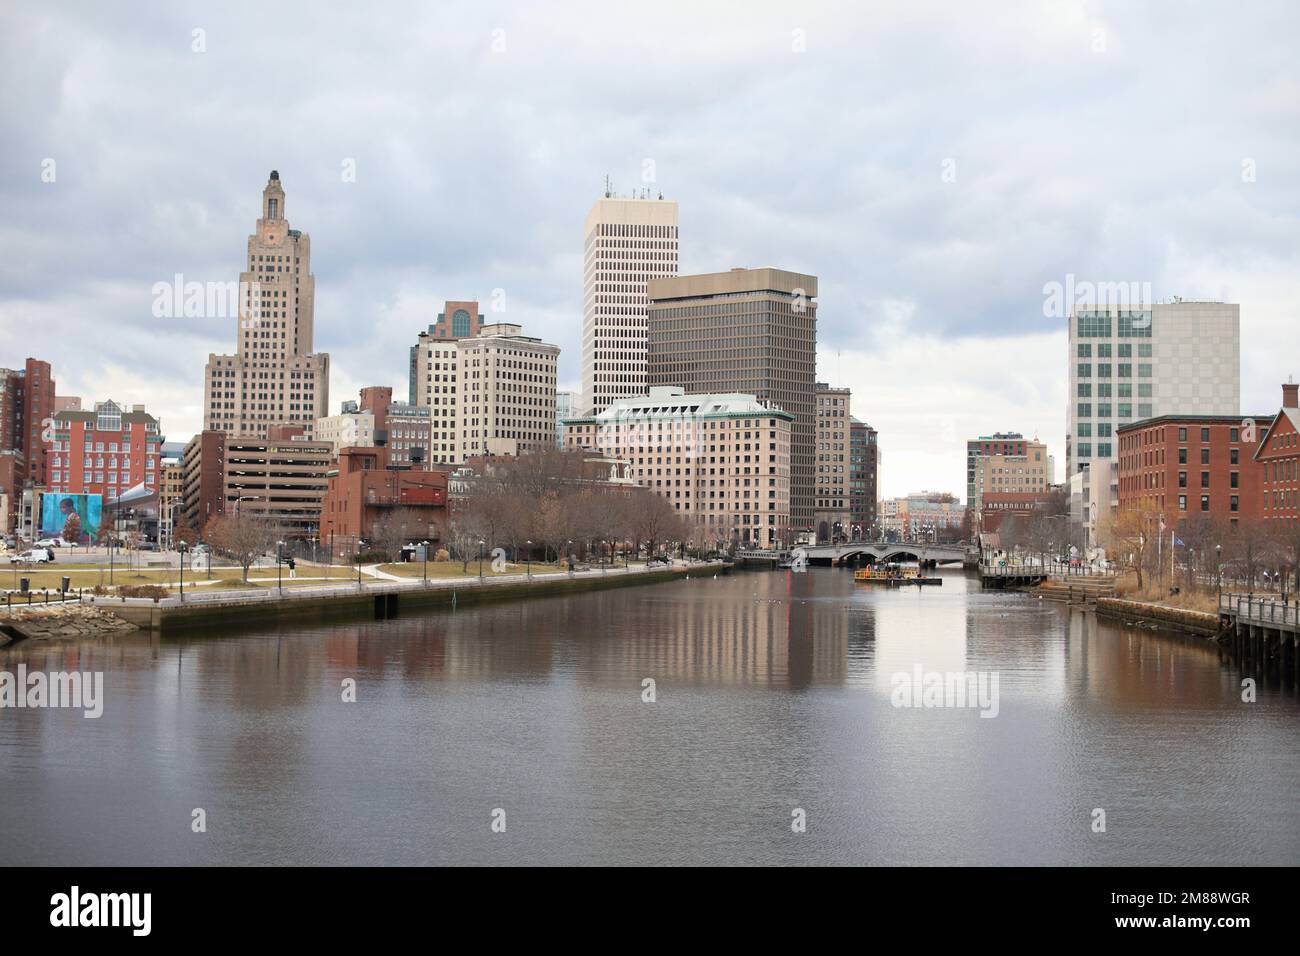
627 243
1131 362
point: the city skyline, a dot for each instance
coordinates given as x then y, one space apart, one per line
932 242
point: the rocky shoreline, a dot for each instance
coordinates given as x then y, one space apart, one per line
68 621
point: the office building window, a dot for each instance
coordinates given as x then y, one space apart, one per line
1093 324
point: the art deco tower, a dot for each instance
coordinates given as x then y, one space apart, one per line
274 377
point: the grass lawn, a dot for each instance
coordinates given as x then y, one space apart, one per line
43 576
449 569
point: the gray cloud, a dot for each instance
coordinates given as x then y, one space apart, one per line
475 169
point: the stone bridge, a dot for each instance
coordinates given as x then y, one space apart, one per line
869 552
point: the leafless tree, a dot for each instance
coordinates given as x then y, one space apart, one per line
241 537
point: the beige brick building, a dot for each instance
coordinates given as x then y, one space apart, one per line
1022 471
833 517
722 460
435 384
347 429
274 377
508 392
627 242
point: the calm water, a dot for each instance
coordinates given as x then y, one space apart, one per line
773 693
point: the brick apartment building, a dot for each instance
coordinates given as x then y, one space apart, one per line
1278 460
1191 467
106 452
26 400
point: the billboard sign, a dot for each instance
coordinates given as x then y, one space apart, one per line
74 518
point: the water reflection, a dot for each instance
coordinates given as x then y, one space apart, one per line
773 691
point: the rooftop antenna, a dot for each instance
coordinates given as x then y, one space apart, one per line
609 187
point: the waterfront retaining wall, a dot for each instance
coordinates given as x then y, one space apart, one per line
375 601
1197 622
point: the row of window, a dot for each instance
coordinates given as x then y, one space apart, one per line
1122 369
1125 350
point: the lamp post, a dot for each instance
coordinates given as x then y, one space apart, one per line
480 561
356 558
181 547
424 545
279 566
1218 569
529 558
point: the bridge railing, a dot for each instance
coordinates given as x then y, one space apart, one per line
1012 570
1055 569
1263 611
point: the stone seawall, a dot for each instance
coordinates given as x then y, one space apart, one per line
1196 622
376 601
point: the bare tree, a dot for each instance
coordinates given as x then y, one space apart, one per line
398 528
654 521
1284 548
1132 533
242 538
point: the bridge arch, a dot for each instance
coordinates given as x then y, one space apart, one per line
901 555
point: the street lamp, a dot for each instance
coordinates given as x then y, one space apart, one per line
425 552
279 566
181 547
529 558
480 560
1218 569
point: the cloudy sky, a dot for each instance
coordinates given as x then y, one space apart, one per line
934 164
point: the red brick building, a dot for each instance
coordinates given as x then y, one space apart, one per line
1192 467
26 401
367 500
1278 458
203 479
998 506
13 472
105 452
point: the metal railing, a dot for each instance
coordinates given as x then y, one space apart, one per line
1055 569
1254 610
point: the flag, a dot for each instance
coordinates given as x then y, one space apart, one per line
1178 542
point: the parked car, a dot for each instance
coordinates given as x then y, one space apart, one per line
39 556
660 559
50 543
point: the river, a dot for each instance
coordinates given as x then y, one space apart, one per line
773 737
